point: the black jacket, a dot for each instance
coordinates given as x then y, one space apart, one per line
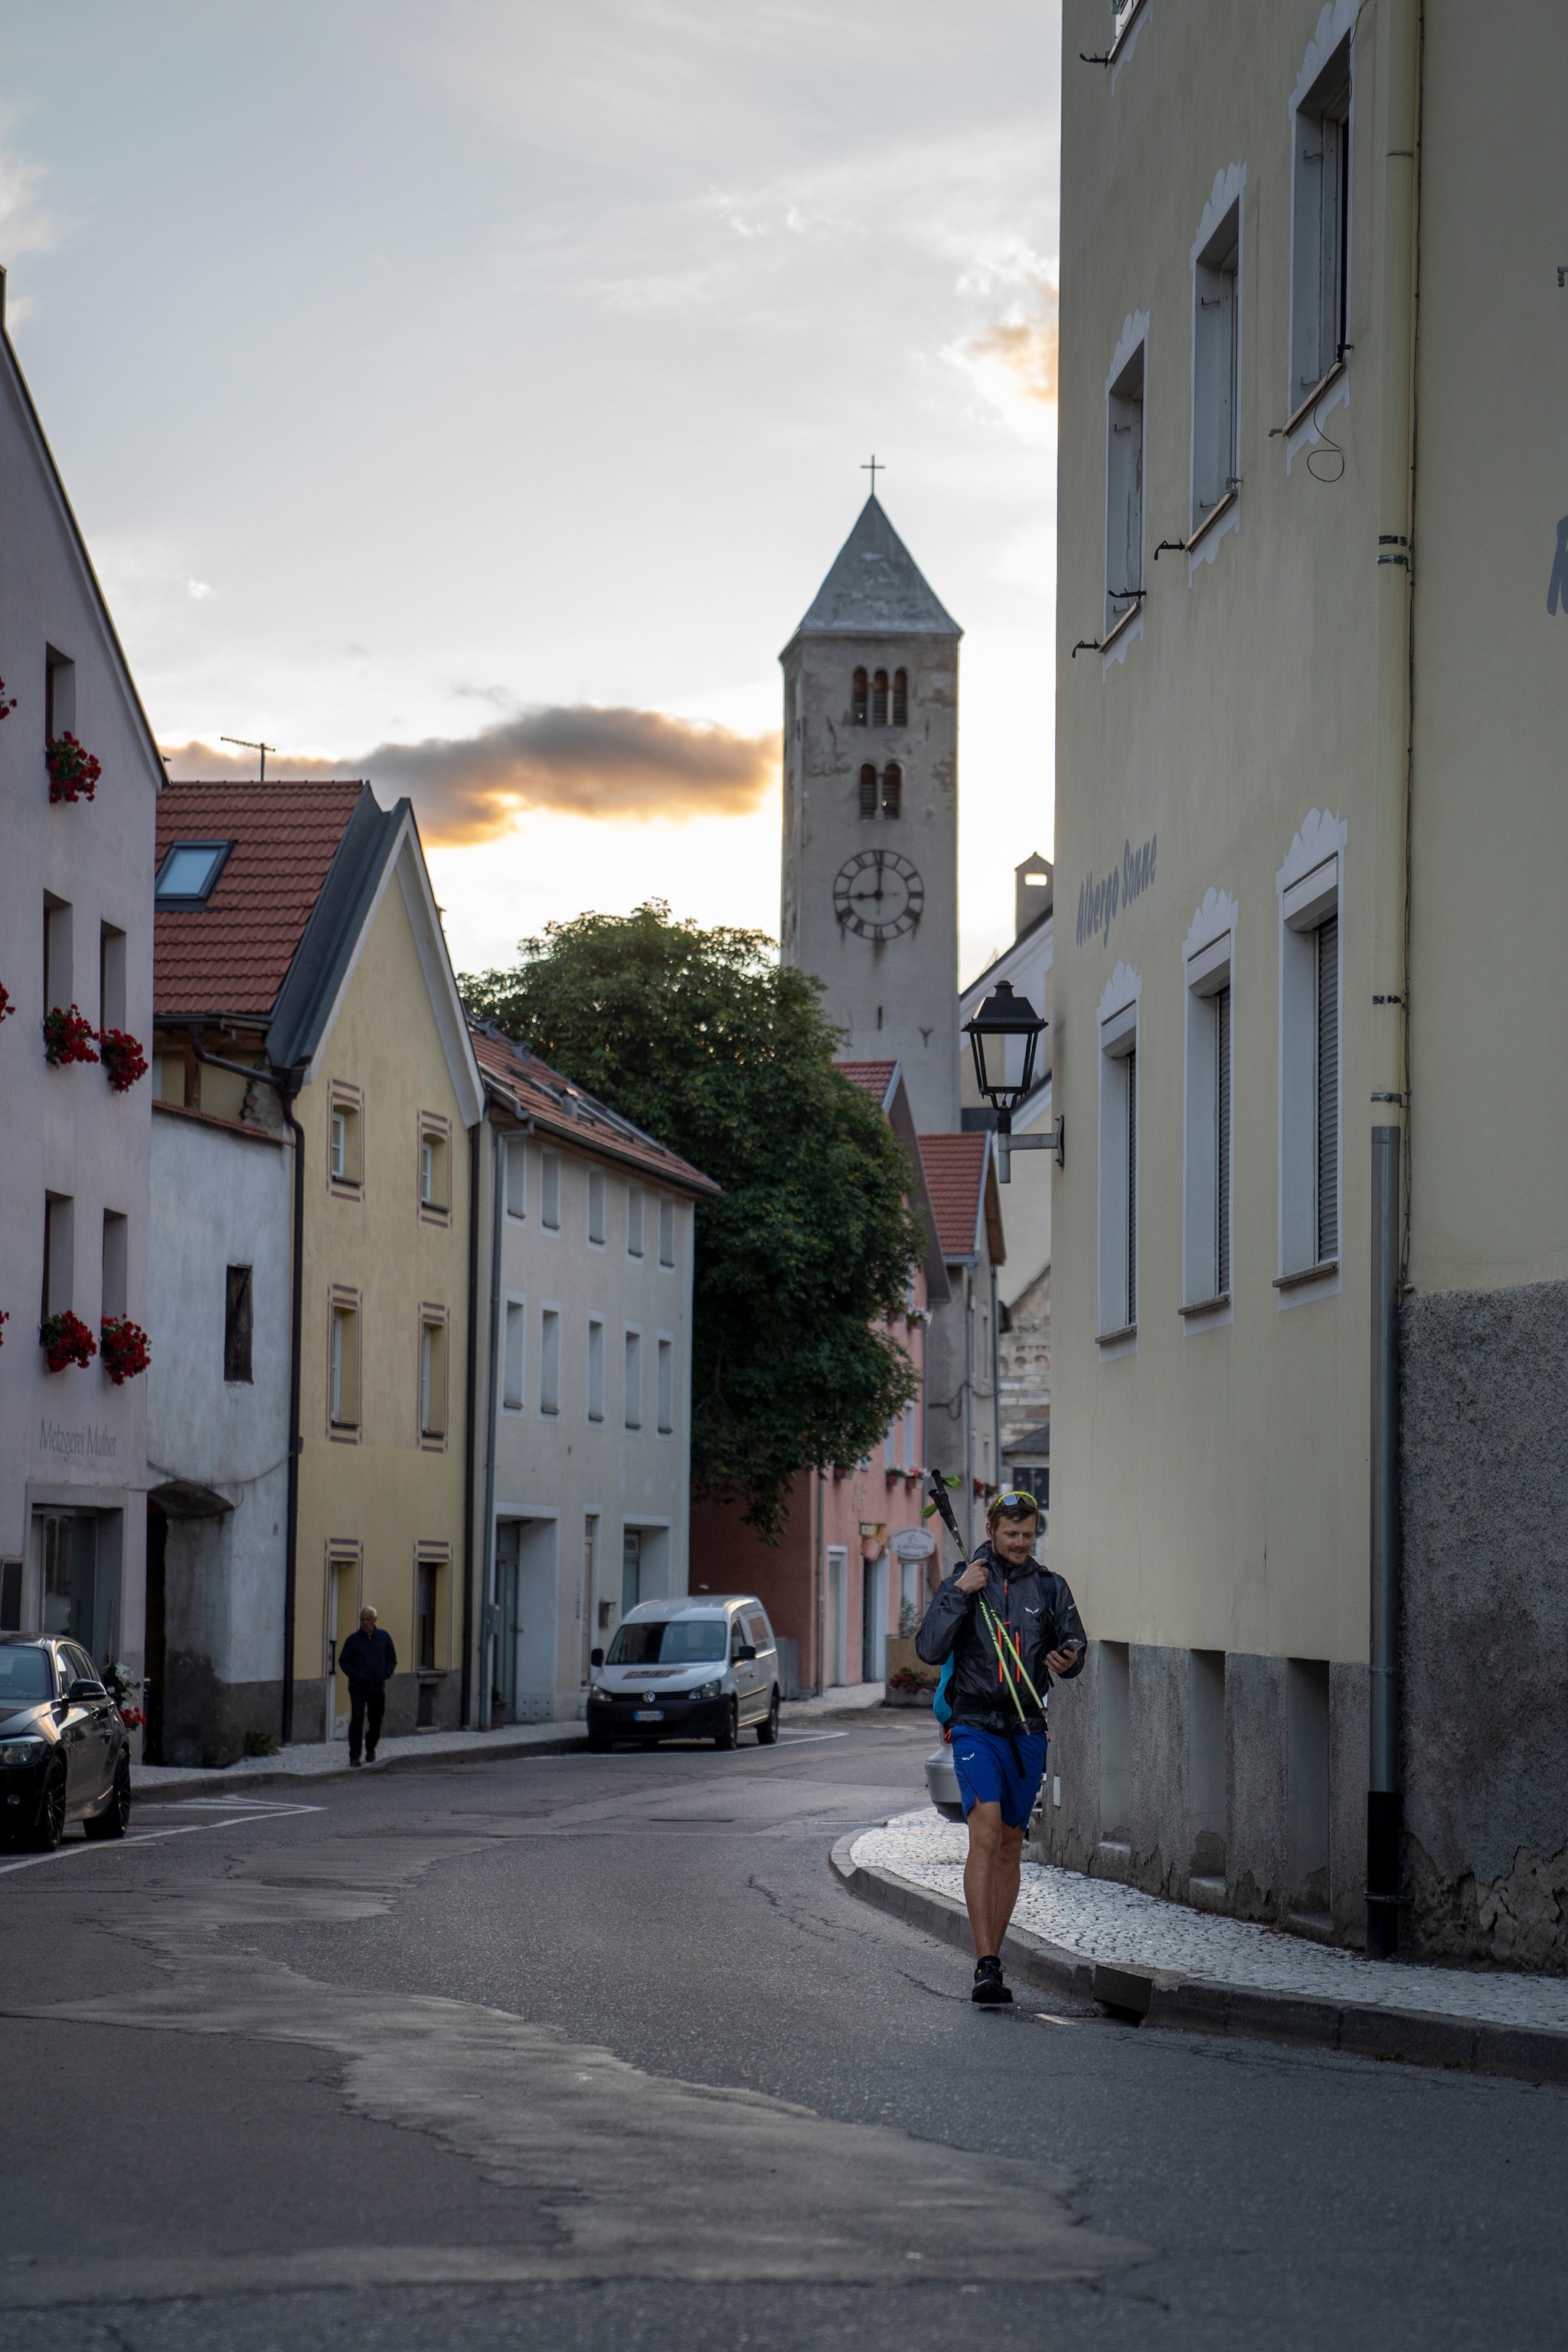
1038 1609
368 1657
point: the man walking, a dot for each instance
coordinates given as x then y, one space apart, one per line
1009 1624
368 1662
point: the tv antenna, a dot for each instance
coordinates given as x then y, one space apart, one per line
244 744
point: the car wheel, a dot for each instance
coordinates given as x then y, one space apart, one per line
768 1730
115 1818
50 1828
731 1735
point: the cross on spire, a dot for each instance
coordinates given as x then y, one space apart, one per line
874 469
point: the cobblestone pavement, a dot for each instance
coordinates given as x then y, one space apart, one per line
1099 1920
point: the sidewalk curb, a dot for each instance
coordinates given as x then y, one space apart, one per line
497 1749
1200 2005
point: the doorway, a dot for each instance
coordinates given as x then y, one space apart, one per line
79 1581
837 1612
631 1569
155 1670
342 1615
874 1620
526 1599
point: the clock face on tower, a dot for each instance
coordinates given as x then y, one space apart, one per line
877 895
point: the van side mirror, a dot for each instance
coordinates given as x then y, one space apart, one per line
596 1657
746 1650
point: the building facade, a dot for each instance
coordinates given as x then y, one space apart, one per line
582 1459
1310 819
303 982
76 1005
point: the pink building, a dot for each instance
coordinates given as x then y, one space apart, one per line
837 1583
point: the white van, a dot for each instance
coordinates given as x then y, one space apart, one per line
689 1668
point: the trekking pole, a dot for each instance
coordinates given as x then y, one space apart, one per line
940 1501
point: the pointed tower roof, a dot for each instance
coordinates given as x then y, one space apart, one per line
875 588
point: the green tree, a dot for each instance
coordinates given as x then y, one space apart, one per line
725 1056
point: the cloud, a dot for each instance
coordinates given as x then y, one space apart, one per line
577 759
1013 362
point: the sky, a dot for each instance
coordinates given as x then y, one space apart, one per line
472 395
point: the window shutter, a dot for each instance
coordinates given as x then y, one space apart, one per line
1132 1066
1328 1105
1221 1144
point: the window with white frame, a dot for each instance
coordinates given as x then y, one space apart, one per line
1310 1063
1124 491
514 1166
665 1231
890 1445
596 1206
1320 221
634 1198
666 1387
1217 369
550 1360
595 1368
634 1380
909 1458
1206 1186
512 1344
550 1189
1119 1114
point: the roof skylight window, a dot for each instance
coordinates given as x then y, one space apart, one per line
189 872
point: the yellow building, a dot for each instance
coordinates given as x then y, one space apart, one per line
314 967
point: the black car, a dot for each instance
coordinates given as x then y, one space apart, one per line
65 1753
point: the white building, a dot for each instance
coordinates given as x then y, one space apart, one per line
1023 1280
582 1426
218 1430
76 935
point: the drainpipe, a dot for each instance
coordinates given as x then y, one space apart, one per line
487 1639
995 1375
476 1138
821 1582
288 1083
1398 130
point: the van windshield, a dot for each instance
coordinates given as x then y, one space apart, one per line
670 1642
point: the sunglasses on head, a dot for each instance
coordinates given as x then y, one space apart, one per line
1016 1498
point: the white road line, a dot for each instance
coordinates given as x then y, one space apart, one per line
150 1837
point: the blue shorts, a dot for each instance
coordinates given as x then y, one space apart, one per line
987 1764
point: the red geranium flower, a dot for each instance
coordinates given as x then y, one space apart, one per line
125 1348
67 1340
67 1036
73 771
122 1059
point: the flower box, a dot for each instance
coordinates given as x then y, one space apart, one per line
74 772
122 1059
125 1350
66 1339
68 1038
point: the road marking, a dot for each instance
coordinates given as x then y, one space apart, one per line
150 1837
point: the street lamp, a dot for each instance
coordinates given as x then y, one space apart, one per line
1001 1017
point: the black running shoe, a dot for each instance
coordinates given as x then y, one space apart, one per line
989 1988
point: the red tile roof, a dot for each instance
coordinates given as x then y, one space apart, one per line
875 1077
559 1108
956 1170
231 955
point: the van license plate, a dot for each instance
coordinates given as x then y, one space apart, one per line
648 1715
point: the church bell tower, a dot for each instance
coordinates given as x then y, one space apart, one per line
870 813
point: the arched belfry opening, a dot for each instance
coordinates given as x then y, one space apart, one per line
868 789
892 790
858 696
880 699
900 698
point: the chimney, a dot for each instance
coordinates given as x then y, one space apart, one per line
1032 891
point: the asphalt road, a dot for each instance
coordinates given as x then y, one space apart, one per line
594 2053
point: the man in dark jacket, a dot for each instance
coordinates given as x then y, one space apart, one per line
1008 1625
368 1662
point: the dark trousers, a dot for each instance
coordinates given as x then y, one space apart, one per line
367 1704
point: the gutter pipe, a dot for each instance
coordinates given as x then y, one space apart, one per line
488 1552
288 1083
1399 74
